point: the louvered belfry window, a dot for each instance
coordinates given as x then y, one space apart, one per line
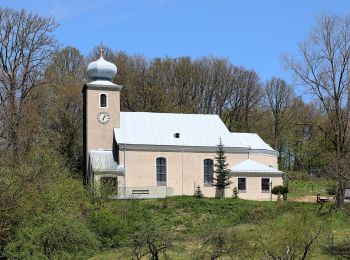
103 100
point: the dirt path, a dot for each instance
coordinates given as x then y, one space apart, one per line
306 198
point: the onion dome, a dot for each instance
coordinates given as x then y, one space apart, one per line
101 69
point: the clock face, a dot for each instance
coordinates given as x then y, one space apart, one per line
103 117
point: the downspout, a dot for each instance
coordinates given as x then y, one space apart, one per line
270 188
124 171
90 172
182 171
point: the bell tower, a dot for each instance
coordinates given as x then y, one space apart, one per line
101 108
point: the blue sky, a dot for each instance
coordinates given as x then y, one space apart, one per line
251 33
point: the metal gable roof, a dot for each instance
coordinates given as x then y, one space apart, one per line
160 128
253 141
195 130
253 167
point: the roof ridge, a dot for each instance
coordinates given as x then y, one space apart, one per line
164 113
244 133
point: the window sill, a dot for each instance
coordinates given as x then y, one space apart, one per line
265 191
208 185
242 191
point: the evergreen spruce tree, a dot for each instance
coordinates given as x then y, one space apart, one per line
222 174
198 193
235 192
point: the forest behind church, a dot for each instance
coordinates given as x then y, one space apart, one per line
41 179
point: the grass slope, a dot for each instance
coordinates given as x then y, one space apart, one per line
189 221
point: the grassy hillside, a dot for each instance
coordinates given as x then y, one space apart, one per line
309 187
52 216
193 227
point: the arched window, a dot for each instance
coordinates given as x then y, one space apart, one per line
103 100
161 171
208 171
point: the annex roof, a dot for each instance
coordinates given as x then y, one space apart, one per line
103 161
145 128
251 166
253 141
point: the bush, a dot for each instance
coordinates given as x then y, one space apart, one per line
38 185
295 175
108 187
50 236
226 243
108 227
337 248
152 240
198 193
235 193
331 190
279 190
291 236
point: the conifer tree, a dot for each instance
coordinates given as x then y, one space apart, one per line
198 193
222 174
235 192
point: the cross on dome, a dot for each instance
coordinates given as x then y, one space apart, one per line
101 50
101 69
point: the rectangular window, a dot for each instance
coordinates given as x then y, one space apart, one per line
265 184
242 184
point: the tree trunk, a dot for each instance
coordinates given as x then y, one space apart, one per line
220 193
340 194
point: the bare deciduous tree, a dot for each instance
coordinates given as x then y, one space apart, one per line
279 96
26 45
65 109
243 100
293 236
324 68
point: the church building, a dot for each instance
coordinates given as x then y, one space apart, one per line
155 155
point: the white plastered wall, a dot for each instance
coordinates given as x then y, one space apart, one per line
185 170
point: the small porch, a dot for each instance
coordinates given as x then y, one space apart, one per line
108 180
105 173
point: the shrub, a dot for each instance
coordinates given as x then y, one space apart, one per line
151 239
108 227
226 243
295 175
39 185
198 193
50 236
108 187
292 236
279 190
337 248
331 190
235 192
